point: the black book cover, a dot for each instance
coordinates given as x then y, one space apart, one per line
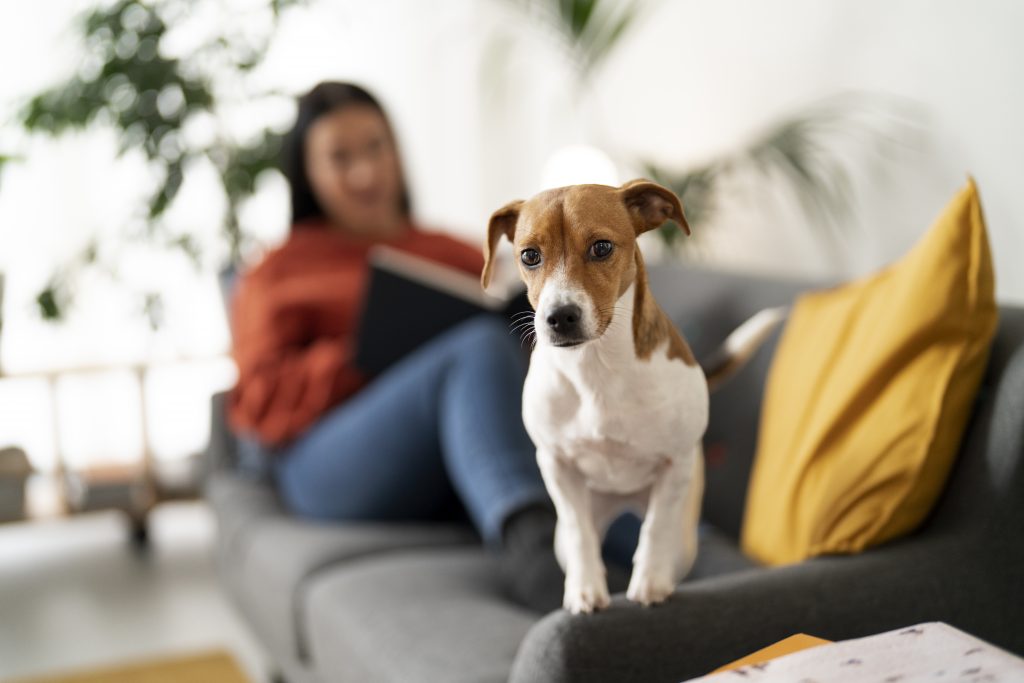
410 300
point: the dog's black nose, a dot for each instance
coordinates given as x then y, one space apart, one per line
565 319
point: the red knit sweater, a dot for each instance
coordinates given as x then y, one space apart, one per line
293 322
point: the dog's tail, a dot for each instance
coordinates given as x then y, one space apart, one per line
740 346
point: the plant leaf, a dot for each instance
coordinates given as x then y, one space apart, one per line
53 301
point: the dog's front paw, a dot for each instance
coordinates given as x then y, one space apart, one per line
650 587
586 593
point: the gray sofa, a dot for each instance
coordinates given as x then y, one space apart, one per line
423 602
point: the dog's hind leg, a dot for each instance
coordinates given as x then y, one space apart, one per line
688 547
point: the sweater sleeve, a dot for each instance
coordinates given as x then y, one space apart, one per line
287 377
468 258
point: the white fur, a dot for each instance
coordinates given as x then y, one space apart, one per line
614 432
559 290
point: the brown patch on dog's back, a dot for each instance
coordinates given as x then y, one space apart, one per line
651 327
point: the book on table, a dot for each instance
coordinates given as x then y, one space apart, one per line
410 300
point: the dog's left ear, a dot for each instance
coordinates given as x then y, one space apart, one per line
503 222
650 205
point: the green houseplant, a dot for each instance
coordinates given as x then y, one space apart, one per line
132 85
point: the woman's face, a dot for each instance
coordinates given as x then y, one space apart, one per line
353 169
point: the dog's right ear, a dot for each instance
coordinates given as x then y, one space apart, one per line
503 222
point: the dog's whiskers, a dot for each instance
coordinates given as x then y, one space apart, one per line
525 327
528 337
523 323
523 315
521 327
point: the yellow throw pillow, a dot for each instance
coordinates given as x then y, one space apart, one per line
869 394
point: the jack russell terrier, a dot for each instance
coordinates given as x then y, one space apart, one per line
614 400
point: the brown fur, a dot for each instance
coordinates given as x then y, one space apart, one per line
563 223
650 324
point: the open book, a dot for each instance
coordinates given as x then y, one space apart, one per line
410 300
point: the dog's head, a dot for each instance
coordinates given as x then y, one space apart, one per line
575 247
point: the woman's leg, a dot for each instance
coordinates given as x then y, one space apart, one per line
375 457
620 540
392 451
492 461
490 457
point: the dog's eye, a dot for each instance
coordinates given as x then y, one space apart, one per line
530 258
601 249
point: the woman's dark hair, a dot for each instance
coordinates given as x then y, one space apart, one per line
323 99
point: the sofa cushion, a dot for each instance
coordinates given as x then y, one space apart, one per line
717 554
422 615
265 555
282 554
868 396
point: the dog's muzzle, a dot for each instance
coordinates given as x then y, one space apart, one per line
564 326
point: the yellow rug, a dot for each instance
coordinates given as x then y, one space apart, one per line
209 667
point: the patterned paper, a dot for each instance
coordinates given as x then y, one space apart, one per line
934 652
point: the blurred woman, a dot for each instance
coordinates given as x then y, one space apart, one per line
437 435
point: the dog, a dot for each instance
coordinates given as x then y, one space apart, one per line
614 400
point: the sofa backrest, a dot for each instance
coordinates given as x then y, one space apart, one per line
706 305
987 483
986 487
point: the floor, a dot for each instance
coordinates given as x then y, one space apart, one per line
73 594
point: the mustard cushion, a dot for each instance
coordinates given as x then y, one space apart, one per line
869 394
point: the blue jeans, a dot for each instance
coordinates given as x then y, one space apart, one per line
440 431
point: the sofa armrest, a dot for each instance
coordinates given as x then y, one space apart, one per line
711 622
222 449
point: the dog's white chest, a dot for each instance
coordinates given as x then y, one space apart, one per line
619 421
